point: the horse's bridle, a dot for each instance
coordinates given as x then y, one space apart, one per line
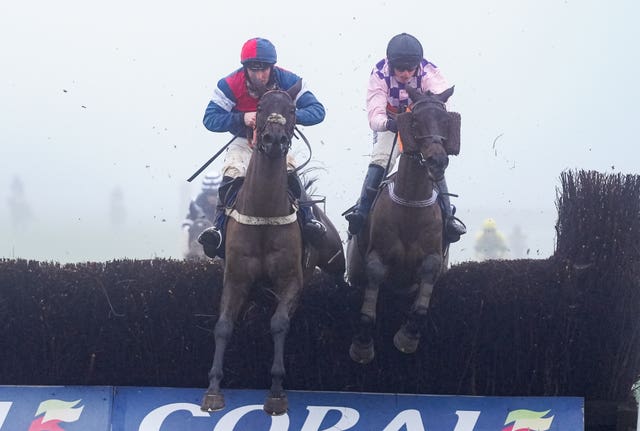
431 139
275 118
416 156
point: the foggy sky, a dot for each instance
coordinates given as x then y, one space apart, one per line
104 99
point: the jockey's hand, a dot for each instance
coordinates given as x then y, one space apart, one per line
392 126
250 119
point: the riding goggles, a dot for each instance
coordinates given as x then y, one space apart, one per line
404 67
258 65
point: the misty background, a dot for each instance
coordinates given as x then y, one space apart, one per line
102 102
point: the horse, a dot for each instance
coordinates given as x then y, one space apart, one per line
264 244
401 245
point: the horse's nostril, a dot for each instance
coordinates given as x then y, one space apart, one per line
267 138
283 140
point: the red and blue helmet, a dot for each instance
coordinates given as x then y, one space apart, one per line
258 50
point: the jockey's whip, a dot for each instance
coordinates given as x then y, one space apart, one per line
215 156
395 141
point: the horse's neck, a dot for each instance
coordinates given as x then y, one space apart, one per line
264 191
412 181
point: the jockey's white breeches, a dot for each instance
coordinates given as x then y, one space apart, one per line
237 159
382 144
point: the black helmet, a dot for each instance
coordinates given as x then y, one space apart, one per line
404 49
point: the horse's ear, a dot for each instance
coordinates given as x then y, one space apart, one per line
404 121
414 94
295 89
452 144
444 96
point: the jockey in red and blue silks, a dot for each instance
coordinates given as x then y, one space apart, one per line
403 66
233 97
233 109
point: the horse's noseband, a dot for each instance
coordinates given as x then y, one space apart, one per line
274 117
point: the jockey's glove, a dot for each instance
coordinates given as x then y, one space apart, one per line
392 126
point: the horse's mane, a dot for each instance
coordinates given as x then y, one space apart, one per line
309 177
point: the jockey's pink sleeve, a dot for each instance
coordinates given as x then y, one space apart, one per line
377 103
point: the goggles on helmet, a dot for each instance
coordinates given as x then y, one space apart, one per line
402 67
257 65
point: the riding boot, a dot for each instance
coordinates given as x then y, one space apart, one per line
313 229
212 238
370 187
453 227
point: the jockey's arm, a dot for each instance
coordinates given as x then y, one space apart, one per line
309 110
377 103
220 116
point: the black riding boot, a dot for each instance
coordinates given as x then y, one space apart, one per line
370 187
211 238
313 230
453 227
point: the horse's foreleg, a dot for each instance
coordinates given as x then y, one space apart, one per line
230 304
276 402
362 349
408 336
213 399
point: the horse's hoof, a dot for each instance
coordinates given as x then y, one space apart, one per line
404 342
212 402
362 353
276 406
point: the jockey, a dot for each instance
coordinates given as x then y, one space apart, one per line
386 97
204 205
233 109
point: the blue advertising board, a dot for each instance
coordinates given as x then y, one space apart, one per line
178 409
54 408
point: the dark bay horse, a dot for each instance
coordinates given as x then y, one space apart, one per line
264 244
401 245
